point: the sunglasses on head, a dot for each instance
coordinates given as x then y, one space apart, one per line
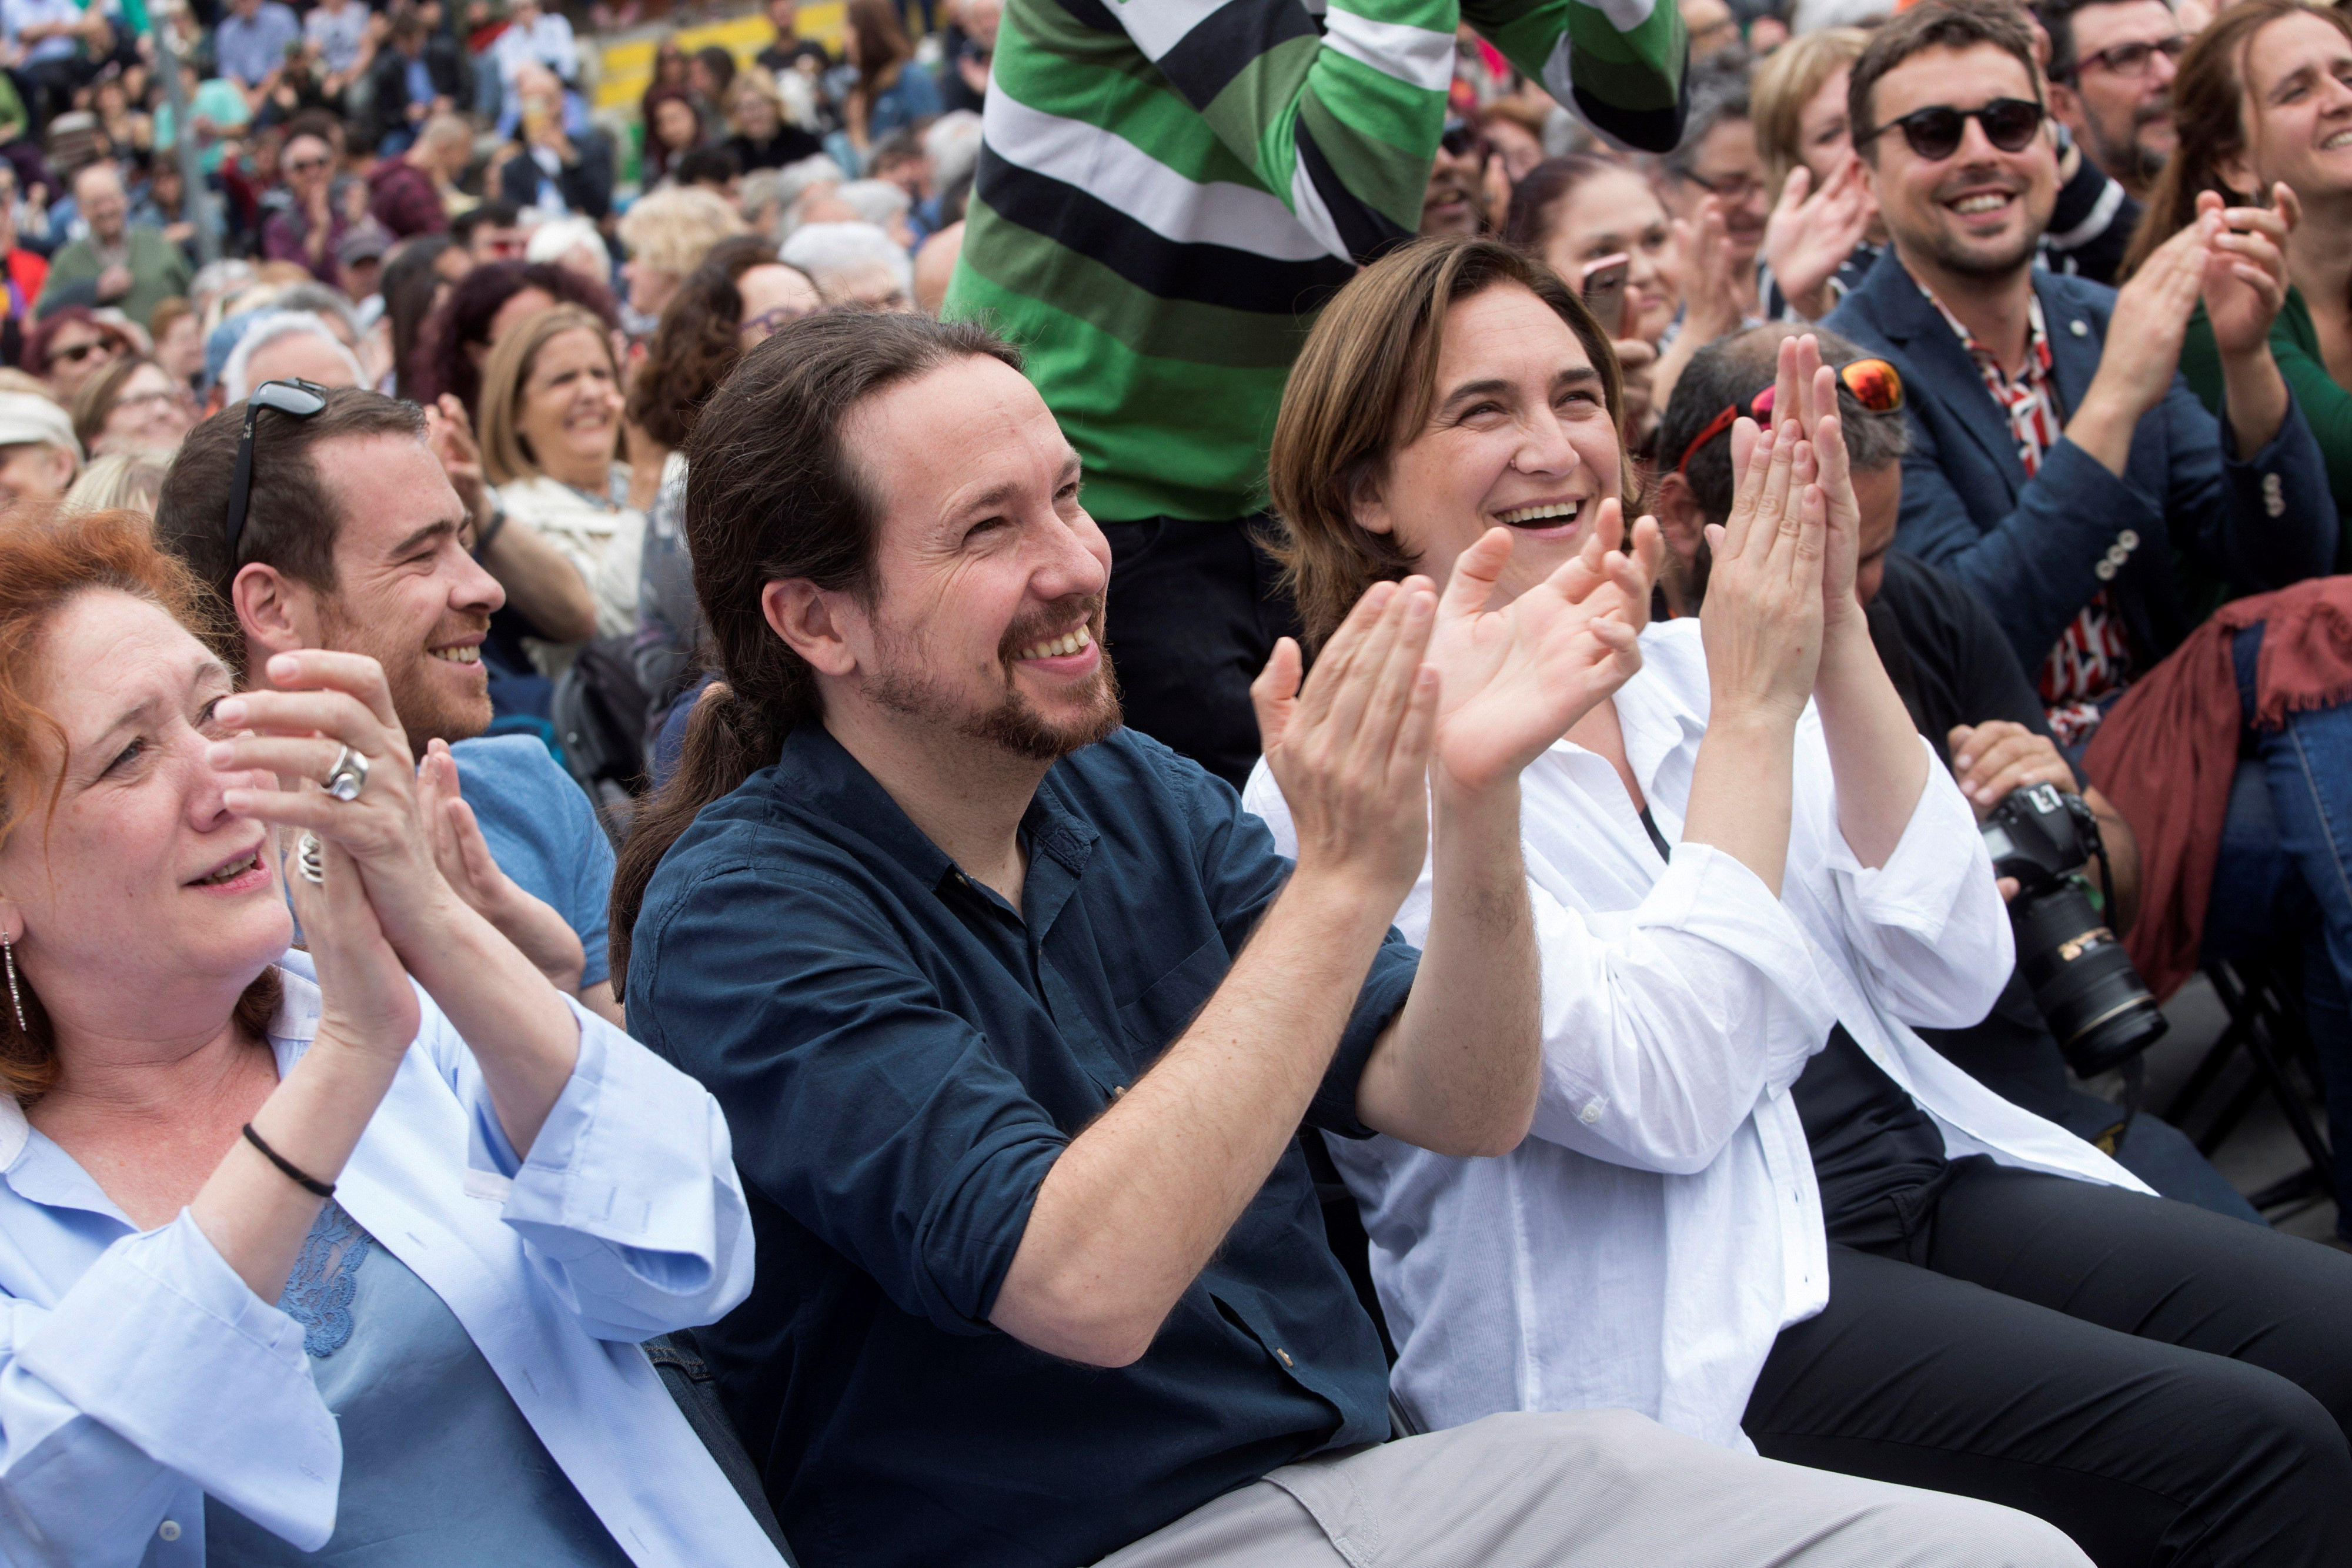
292 397
1935 133
1873 384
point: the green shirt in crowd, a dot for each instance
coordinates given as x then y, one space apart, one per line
1167 193
2327 407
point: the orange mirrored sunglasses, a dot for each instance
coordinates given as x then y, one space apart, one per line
1873 384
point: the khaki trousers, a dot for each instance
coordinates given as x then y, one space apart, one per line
1589 1488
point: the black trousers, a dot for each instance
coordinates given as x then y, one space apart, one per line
2166 1386
1192 614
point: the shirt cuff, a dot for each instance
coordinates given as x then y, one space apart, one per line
163 1342
1333 1109
624 1167
1917 888
1706 893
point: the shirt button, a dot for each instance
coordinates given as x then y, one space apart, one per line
1284 1354
2128 539
2080 328
168 1530
1591 1111
1117 1090
2104 571
2117 554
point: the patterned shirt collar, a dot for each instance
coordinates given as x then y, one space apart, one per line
2037 341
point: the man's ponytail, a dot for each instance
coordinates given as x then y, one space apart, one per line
772 495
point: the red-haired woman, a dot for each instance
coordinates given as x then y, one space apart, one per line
347 1250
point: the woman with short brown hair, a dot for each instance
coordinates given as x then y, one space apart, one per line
1755 1206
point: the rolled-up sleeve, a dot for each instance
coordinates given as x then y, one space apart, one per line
156 1369
862 1103
1928 927
629 1201
1664 1025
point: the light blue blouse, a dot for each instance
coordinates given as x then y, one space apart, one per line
439 1466
142 1381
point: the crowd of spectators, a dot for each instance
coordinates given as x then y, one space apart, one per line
600 970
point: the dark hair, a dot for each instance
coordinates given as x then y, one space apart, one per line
1535 199
412 279
657 155
2057 19
292 519
1933 24
36 347
2209 99
441 364
1735 368
1718 89
719 61
697 342
324 123
48 559
882 46
712 163
498 213
771 492
1370 369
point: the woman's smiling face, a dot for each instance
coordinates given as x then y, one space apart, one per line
1519 433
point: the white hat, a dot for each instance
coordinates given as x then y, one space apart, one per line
30 417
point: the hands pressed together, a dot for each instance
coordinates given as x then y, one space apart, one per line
1786 557
408 881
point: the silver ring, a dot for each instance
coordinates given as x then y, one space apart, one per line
310 859
347 778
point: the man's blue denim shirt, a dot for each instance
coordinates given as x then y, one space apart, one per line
902 1057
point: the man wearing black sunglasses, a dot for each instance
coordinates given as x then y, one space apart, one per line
2111 68
2061 467
2055 460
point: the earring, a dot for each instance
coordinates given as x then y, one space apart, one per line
15 1000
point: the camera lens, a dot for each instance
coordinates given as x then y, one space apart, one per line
2083 979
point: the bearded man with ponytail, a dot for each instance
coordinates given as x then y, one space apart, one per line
1015 1015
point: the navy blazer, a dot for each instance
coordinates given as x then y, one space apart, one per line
2033 551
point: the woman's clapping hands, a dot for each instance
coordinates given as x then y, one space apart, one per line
1514 678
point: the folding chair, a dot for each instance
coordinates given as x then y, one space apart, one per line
2266 1023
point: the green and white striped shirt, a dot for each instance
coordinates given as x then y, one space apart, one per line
1168 190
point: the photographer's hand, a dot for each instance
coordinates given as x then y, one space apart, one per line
1992 759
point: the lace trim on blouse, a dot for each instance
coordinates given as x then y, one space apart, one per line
318 1292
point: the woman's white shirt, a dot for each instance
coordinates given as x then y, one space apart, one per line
138 1372
1661 1225
605 542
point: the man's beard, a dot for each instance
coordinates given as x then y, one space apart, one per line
1461 188
427 711
1956 255
1011 724
2132 162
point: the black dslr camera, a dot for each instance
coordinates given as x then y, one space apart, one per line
2083 981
